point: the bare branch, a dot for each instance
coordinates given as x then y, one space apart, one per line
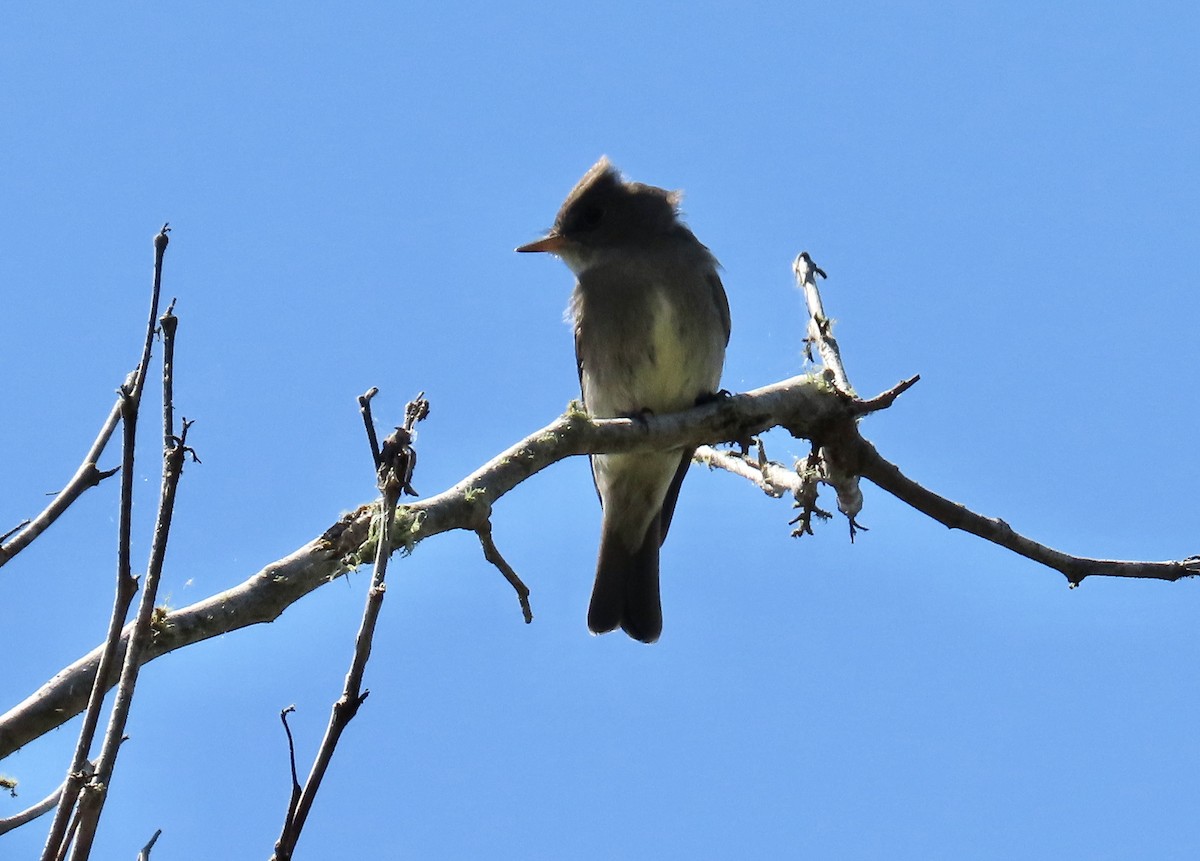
492 554
30 813
774 479
61 828
41 808
144 855
93 793
886 399
394 463
296 788
806 406
88 475
168 323
364 407
820 327
800 403
13 531
872 466
91 802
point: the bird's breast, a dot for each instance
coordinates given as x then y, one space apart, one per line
656 355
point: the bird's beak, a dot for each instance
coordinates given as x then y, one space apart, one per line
549 242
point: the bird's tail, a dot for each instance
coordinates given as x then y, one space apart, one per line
626 590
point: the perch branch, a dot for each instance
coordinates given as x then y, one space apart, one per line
806 406
802 404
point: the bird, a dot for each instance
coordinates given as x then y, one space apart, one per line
651 323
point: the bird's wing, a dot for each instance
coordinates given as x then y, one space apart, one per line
721 301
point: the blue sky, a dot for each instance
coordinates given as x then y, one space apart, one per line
1005 197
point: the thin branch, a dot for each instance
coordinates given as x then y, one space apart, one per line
822 465
13 532
773 479
95 792
59 835
492 554
144 855
40 809
296 788
810 472
394 469
820 328
88 475
364 408
30 813
872 466
168 324
886 399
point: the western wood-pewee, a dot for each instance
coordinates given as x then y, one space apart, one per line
651 326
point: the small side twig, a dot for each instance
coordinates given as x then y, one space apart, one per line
811 472
885 399
364 407
820 328
41 808
168 324
492 554
13 532
30 813
144 855
294 801
773 479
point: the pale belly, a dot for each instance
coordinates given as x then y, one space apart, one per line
663 366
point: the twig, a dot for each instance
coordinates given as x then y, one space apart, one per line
40 809
168 323
96 791
872 466
88 475
144 855
811 474
822 463
394 468
820 329
13 531
492 555
886 399
773 479
30 813
58 837
364 408
295 796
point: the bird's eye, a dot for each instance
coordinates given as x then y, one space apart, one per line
590 217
